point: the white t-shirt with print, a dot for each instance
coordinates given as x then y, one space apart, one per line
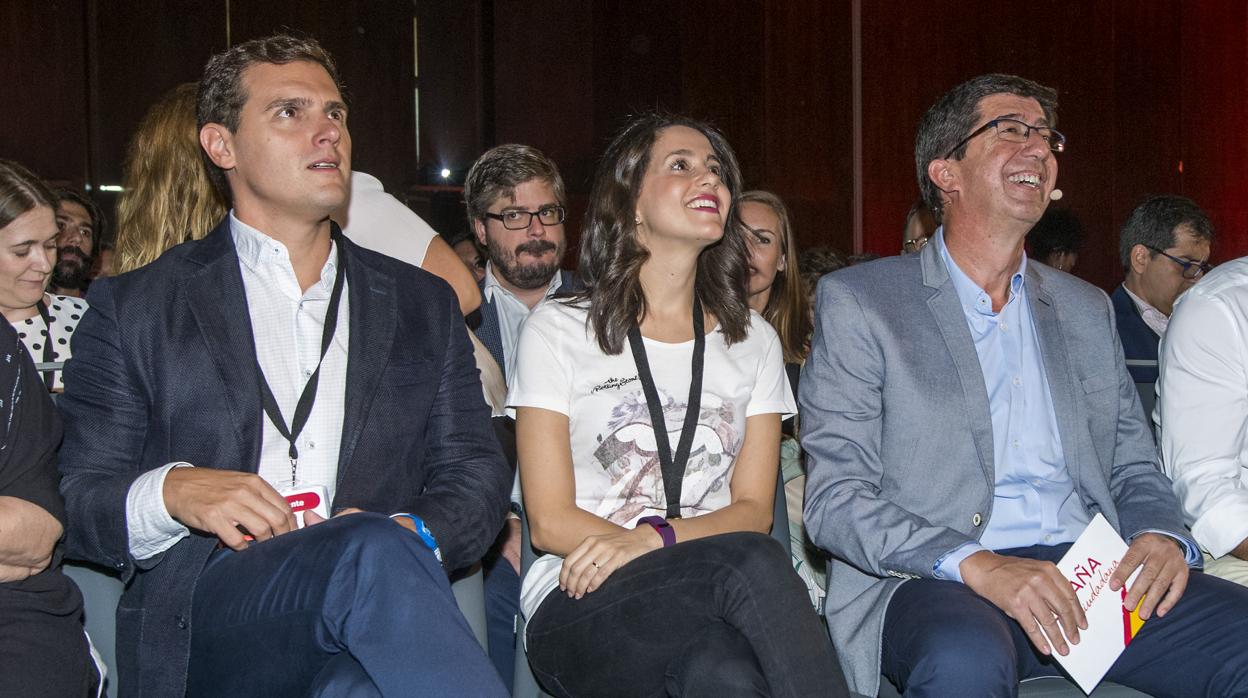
616 467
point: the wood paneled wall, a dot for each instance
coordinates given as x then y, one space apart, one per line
820 99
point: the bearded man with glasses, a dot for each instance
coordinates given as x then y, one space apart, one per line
945 533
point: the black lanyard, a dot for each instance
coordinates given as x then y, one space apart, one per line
673 468
49 377
303 409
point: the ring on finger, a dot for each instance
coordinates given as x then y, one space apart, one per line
597 565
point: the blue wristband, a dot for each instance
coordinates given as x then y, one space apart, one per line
426 536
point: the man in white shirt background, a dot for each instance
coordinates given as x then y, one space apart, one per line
1202 415
280 358
1164 246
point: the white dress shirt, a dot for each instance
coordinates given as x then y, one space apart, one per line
1156 320
512 311
1202 407
287 324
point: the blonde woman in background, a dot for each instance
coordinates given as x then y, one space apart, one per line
168 198
777 293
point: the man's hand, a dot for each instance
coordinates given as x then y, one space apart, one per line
1032 592
1162 580
589 565
510 549
219 501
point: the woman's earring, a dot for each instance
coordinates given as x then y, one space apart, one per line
637 220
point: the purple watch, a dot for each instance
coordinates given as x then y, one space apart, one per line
660 526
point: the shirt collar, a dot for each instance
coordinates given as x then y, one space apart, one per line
1154 318
256 250
972 296
491 285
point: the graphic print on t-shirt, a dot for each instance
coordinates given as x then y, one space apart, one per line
628 455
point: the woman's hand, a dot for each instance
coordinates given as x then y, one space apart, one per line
597 557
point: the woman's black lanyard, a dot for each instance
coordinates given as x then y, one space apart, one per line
303 409
673 468
49 376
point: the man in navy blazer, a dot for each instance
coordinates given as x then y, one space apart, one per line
1164 246
276 353
965 414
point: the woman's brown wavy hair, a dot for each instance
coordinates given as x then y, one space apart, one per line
611 256
168 198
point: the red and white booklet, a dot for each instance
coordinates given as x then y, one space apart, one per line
1088 566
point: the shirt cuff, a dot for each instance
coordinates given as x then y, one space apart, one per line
1191 554
151 529
947 567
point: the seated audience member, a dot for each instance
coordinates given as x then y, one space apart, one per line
1055 240
81 225
1164 246
660 578
44 322
776 291
283 365
379 222
43 649
813 263
920 226
965 414
465 247
1202 407
167 197
516 207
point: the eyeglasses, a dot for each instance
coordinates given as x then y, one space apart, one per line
915 244
515 219
1016 131
1191 270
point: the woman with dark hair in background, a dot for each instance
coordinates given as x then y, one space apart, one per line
44 322
43 648
657 382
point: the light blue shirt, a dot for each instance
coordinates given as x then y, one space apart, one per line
1034 501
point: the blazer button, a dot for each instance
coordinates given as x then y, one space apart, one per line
977 519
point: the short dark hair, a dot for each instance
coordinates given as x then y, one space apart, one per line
1058 230
1152 224
955 115
99 224
611 256
222 96
20 191
503 168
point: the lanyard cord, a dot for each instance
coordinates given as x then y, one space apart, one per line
303 409
673 468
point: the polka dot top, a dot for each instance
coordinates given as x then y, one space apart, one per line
65 312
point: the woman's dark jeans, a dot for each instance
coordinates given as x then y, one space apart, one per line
719 616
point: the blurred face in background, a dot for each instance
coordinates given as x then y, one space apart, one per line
75 246
767 258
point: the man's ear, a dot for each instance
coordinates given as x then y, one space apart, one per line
478 227
218 142
943 175
1140 256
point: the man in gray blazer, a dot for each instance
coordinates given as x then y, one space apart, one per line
966 414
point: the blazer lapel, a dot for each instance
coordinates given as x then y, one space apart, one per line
947 310
374 315
1054 354
218 302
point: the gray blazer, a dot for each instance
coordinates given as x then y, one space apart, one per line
898 437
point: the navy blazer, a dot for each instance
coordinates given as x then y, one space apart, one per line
164 371
485 324
1139 341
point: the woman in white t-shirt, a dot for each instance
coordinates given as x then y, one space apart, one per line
636 597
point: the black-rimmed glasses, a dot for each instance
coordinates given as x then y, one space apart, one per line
516 219
1016 131
1191 270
